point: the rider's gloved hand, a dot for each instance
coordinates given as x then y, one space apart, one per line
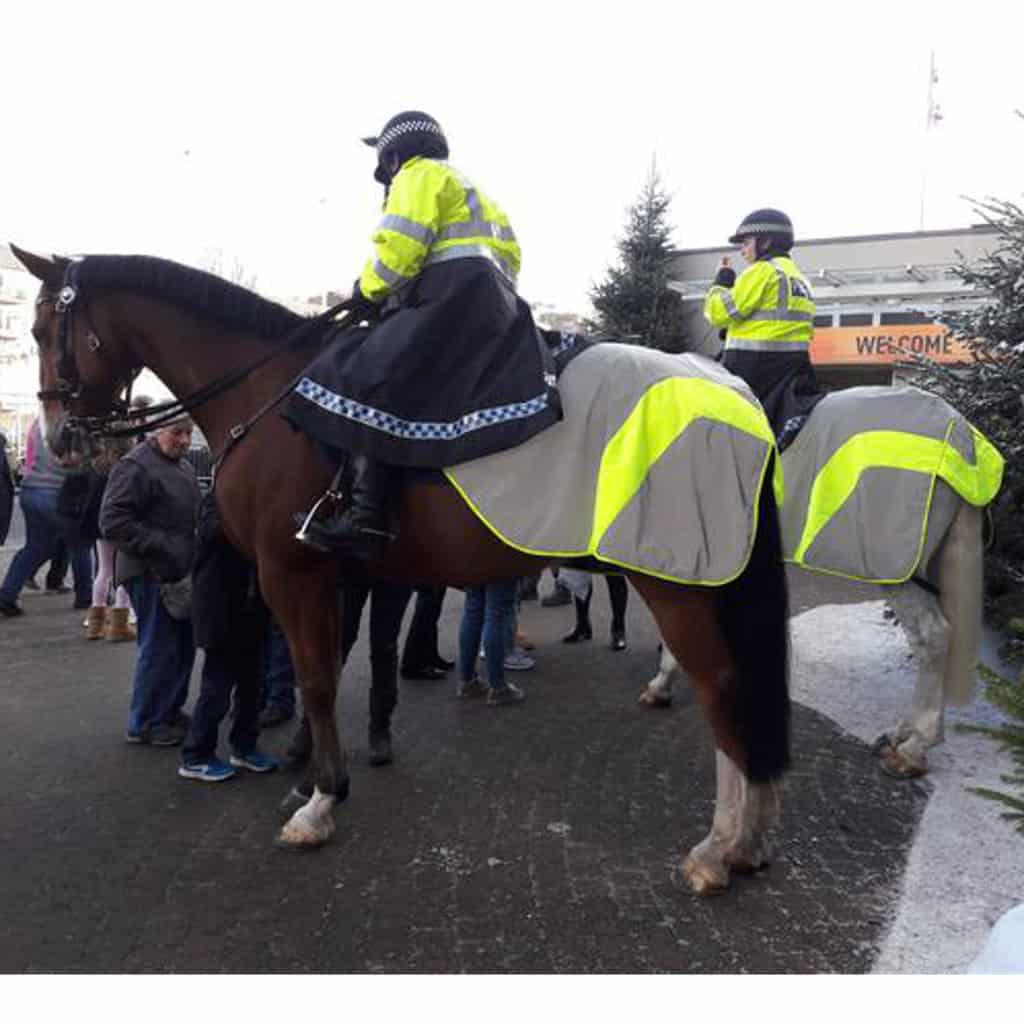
361 307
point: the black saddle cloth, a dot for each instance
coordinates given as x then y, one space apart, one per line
457 371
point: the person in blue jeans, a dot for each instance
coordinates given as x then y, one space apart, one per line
279 682
489 613
39 491
149 511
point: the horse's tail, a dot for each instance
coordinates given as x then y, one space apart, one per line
960 598
754 614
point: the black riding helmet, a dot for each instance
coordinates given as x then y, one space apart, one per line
772 225
411 133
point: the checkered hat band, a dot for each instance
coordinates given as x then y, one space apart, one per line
396 131
765 227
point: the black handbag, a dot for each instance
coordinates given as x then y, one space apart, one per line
78 506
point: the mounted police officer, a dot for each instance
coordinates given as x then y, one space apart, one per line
768 317
455 368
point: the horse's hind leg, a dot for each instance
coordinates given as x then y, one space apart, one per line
658 691
744 812
312 630
902 748
690 629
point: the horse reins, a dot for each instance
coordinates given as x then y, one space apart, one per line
68 385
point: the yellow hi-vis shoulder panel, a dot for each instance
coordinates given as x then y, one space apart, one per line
769 309
433 214
976 483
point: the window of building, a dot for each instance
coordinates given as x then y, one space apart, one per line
855 320
824 320
904 318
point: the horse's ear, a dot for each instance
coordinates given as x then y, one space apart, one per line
49 271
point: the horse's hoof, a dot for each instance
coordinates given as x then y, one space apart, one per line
703 880
653 699
896 766
304 837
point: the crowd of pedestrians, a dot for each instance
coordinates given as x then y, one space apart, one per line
154 555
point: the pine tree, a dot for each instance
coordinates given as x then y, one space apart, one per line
989 391
633 303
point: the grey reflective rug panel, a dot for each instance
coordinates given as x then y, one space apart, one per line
691 520
894 520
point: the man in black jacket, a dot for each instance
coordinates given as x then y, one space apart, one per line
149 512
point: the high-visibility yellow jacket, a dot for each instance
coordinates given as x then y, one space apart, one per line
768 309
433 213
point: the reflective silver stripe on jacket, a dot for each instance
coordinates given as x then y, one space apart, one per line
730 305
466 250
410 228
390 277
794 315
783 304
476 229
756 345
478 226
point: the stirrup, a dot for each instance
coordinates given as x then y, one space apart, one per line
333 494
302 534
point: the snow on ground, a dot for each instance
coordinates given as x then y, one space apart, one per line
966 867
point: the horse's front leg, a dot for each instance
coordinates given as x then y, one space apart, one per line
311 625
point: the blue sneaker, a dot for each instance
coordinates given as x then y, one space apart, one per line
255 761
213 770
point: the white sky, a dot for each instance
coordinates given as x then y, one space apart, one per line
177 128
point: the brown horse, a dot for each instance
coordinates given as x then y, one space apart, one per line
99 320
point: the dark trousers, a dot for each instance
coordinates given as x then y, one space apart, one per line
238 668
420 650
279 688
388 602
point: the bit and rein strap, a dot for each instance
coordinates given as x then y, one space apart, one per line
125 421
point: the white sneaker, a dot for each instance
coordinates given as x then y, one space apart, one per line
519 661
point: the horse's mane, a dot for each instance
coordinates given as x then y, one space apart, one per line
203 294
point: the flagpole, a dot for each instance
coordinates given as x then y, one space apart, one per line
934 117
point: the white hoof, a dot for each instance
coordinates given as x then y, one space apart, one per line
655 699
310 826
705 878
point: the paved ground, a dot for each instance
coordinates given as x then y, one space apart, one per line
537 838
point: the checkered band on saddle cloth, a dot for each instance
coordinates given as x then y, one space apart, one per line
657 466
874 479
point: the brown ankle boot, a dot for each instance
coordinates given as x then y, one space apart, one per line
118 629
95 620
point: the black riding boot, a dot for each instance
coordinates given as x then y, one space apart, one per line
583 630
383 698
360 529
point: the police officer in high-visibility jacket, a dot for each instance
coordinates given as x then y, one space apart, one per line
455 368
768 318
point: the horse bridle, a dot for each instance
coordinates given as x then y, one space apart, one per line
68 388
123 420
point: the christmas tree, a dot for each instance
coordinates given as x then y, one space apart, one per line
633 303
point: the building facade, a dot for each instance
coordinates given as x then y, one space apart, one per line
19 364
877 297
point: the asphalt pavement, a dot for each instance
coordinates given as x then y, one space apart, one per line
538 838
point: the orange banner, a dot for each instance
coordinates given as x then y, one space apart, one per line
846 346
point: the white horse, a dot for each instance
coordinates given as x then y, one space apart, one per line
940 616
